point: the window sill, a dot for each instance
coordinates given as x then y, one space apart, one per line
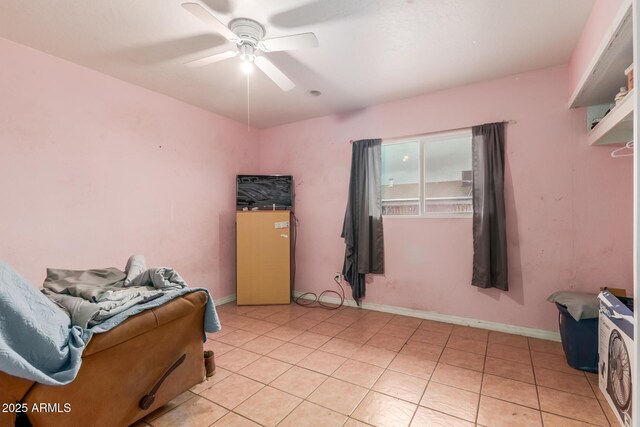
429 216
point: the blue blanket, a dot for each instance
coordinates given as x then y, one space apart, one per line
37 340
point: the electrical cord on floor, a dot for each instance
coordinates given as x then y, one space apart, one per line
294 237
316 300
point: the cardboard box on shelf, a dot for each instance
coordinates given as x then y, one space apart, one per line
629 73
619 292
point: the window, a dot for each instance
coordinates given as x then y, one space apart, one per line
427 176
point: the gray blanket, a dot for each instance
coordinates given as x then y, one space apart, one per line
85 284
159 278
92 296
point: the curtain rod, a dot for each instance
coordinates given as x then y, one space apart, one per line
512 122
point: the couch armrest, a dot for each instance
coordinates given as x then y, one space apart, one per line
13 388
180 307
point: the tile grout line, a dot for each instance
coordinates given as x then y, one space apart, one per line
605 414
230 410
535 380
484 365
435 382
428 381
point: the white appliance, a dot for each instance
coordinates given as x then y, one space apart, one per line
615 352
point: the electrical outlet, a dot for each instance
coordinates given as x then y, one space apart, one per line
337 277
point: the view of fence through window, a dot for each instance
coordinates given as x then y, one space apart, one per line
428 175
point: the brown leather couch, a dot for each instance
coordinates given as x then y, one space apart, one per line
118 369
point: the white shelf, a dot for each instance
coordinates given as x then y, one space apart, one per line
617 126
605 74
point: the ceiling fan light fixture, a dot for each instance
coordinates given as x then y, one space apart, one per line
247 57
247 53
246 67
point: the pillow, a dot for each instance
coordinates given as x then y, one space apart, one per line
581 305
136 265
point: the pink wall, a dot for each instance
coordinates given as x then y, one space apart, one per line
596 28
93 169
569 205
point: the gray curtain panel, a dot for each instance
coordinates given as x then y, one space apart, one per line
362 227
489 222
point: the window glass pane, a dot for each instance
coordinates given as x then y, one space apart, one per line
401 178
447 174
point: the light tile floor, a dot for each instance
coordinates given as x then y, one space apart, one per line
296 366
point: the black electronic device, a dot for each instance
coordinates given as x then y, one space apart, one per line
262 192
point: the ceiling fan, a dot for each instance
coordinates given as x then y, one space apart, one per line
248 35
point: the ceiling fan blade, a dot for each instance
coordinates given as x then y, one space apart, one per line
211 59
274 73
296 41
206 16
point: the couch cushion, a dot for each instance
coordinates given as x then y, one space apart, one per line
146 321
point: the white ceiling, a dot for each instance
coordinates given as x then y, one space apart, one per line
371 51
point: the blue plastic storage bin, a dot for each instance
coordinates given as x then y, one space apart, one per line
579 340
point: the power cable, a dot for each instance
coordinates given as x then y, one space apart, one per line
315 301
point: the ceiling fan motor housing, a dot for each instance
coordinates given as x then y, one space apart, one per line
248 31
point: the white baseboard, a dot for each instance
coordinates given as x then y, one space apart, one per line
456 320
224 300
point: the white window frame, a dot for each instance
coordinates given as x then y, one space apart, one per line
421 139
